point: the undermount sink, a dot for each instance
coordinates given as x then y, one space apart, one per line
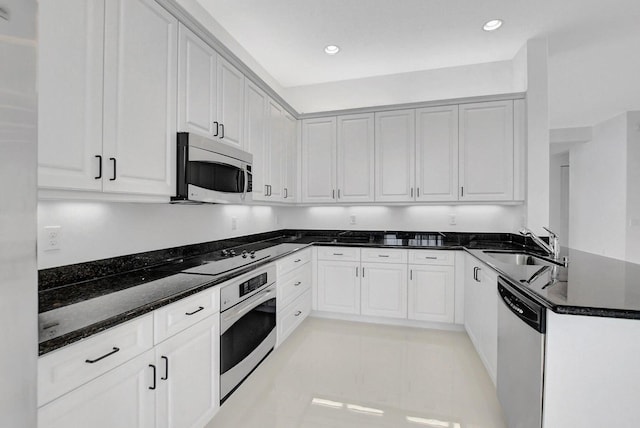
522 259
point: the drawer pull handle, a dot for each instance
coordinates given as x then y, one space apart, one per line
200 308
297 283
382 255
297 260
431 258
338 254
154 377
297 314
104 356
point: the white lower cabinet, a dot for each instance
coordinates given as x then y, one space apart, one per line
119 398
481 311
187 376
339 286
431 293
292 315
384 290
175 385
293 292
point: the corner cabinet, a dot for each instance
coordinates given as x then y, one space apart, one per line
319 160
486 151
116 131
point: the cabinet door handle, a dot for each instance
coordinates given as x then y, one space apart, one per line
357 271
297 314
475 271
99 167
200 308
103 357
410 274
297 260
462 191
430 258
383 255
417 192
338 193
286 193
217 128
166 368
154 377
338 254
297 283
269 187
222 130
333 194
115 171
363 272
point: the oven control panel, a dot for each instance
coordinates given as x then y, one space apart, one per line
236 290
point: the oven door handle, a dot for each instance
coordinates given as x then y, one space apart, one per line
230 316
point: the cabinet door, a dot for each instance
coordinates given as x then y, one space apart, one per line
481 312
277 158
188 367
140 79
119 398
339 287
230 103
384 290
255 137
291 167
486 151
431 293
355 149
437 154
197 67
394 153
70 70
319 160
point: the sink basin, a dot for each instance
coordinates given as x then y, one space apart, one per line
522 259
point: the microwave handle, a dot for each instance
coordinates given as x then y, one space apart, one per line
246 183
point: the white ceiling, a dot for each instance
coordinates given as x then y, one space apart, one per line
593 44
380 37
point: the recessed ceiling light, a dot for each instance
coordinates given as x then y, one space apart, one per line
492 25
331 49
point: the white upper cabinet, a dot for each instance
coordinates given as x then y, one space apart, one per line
229 103
394 154
355 158
140 97
197 69
437 154
278 150
70 93
290 135
486 151
319 160
255 136
107 96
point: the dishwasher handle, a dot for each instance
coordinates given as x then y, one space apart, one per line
532 313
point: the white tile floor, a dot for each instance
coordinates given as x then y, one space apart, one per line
341 374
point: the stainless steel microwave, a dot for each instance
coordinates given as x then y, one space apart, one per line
212 172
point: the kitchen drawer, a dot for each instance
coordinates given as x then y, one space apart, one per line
292 316
384 255
293 284
293 261
71 366
347 254
431 257
178 316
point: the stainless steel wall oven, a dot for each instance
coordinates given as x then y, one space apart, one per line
247 326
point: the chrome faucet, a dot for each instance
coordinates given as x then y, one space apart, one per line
552 248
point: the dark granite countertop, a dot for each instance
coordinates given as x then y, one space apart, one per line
77 301
590 285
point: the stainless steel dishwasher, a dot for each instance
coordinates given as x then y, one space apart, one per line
521 340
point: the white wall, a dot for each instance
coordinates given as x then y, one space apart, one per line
95 230
633 187
469 218
598 179
440 84
557 222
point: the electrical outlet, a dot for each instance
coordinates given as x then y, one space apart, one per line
52 238
452 219
352 219
234 223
